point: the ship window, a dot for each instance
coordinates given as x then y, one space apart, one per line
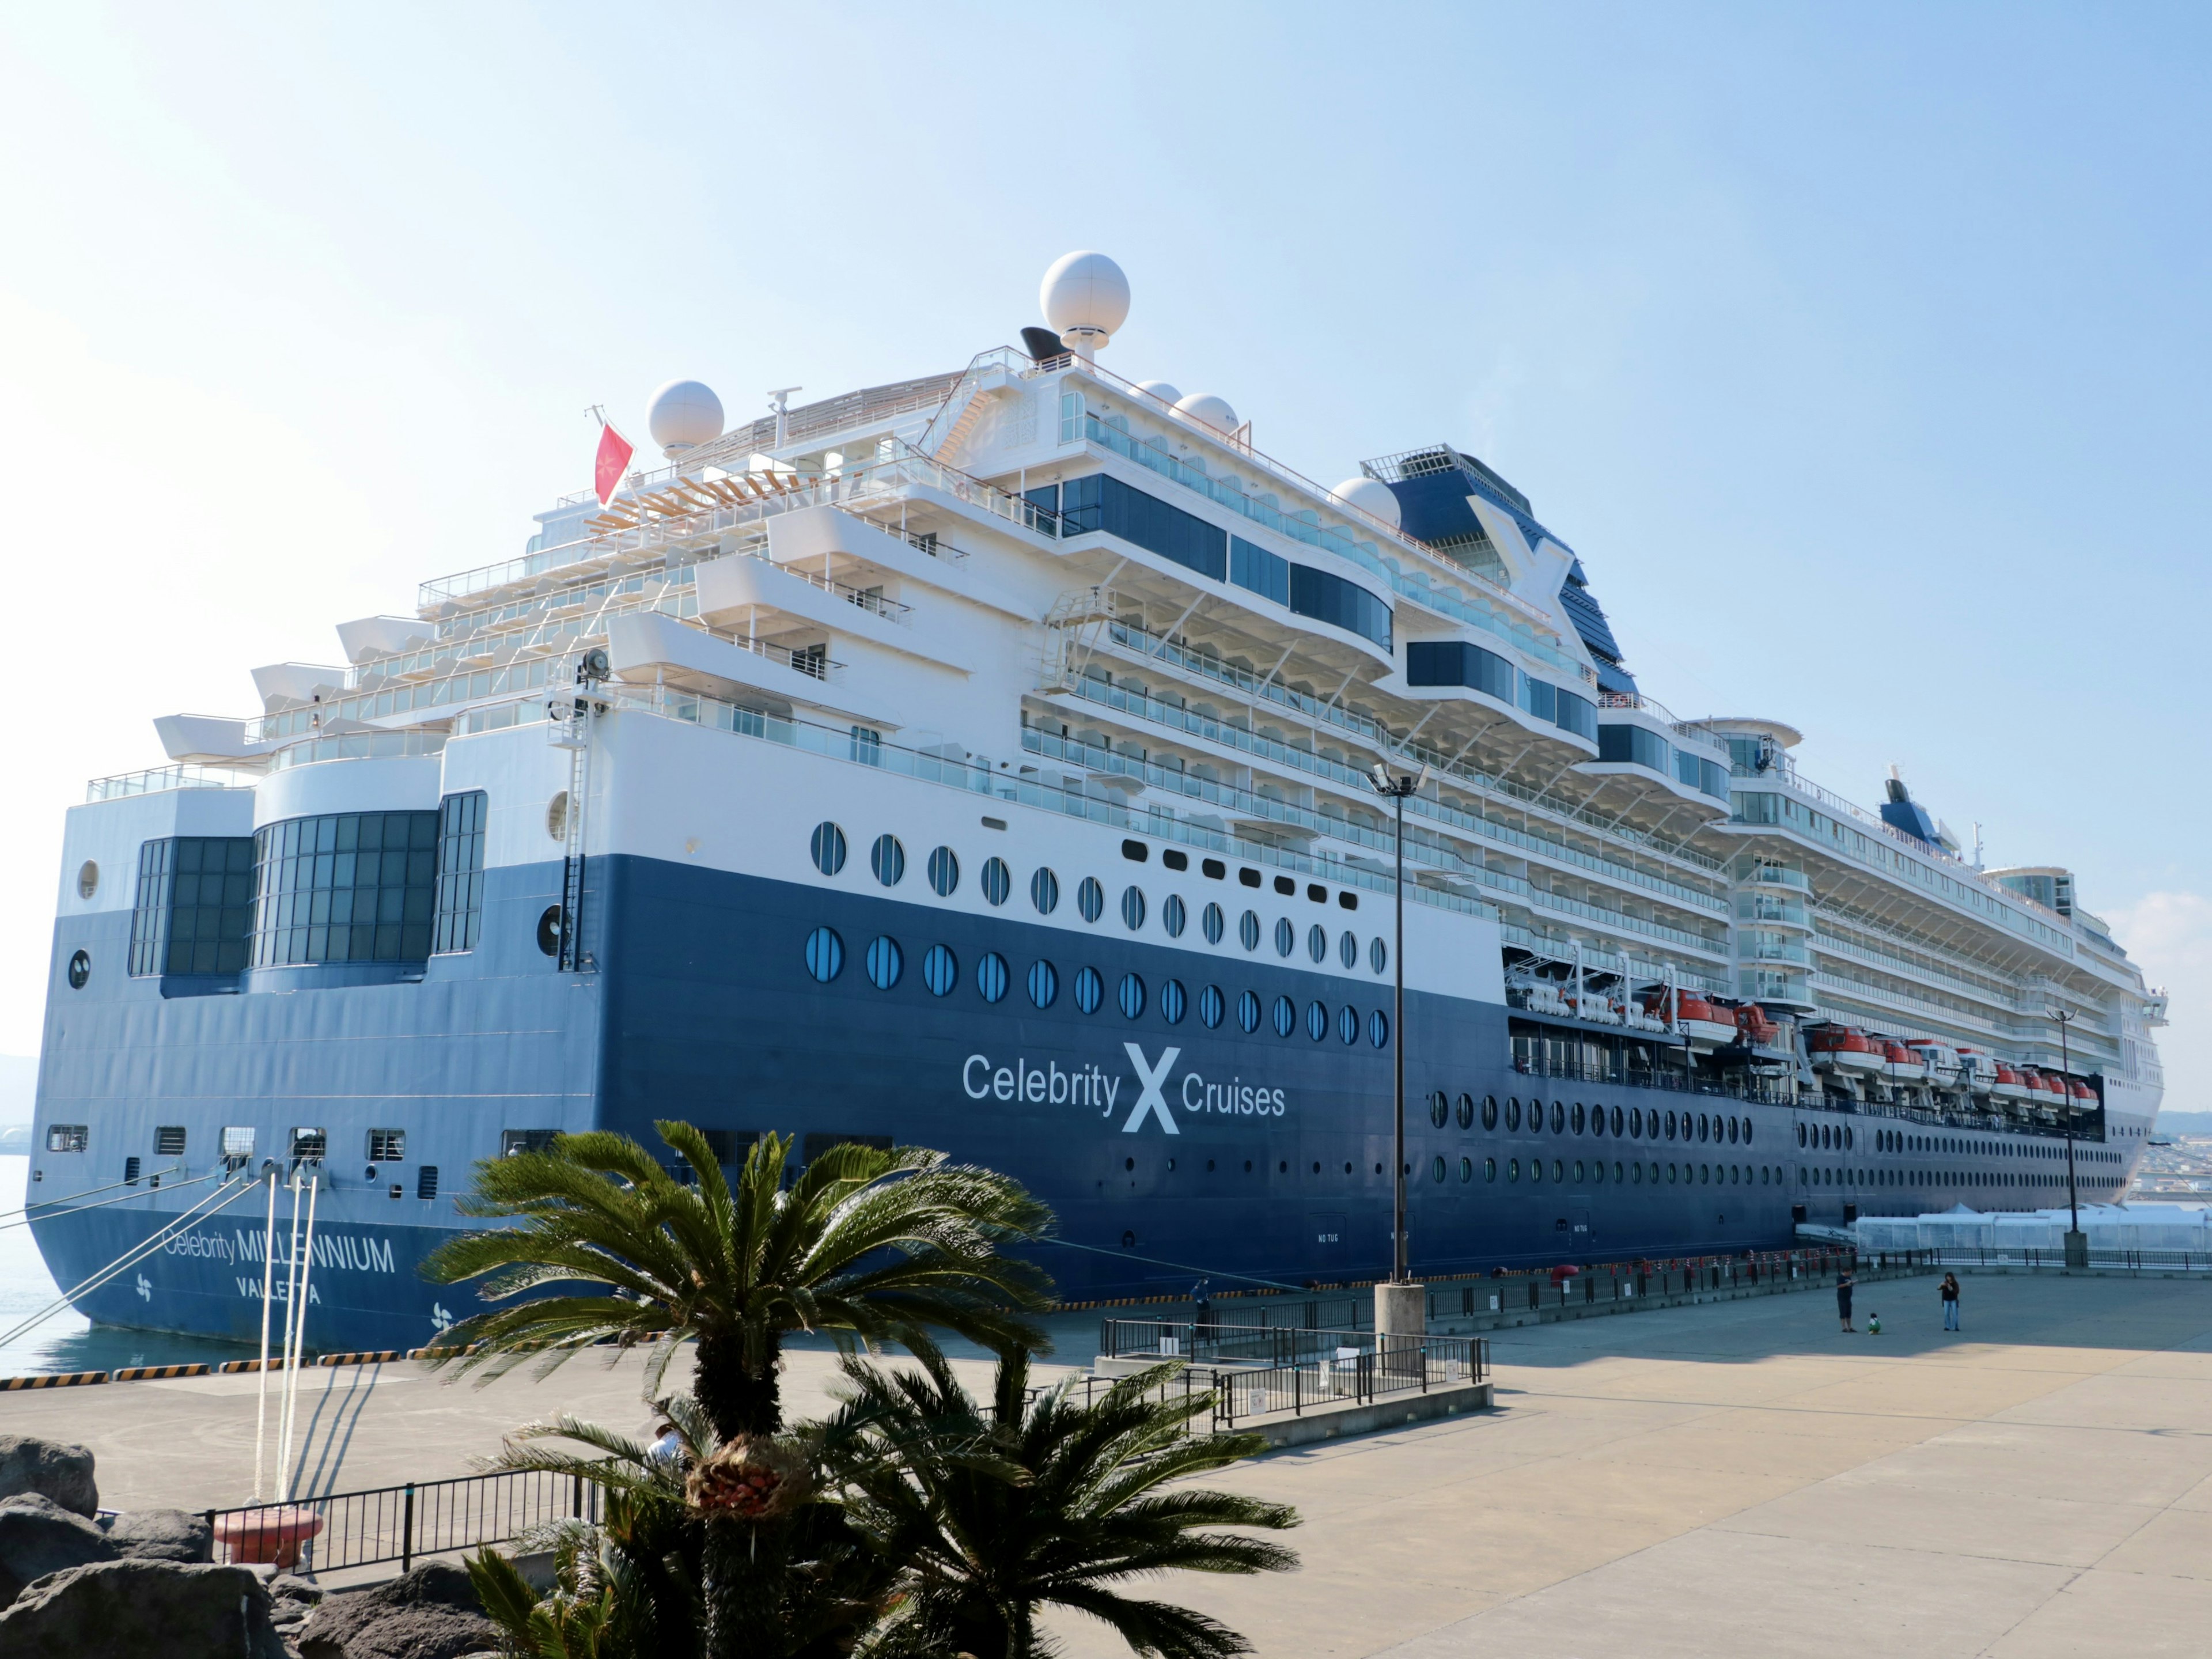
1210 920
1100 502
1636 1123
1248 1011
194 909
828 848
1173 916
1439 1109
1174 860
940 970
1378 955
512 1142
1317 943
1513 1115
1348 1024
237 1143
1212 869
1248 929
1173 1001
1286 937
944 872
549 922
1436 1169
1747 1132
310 1144
1670 1125
1131 996
1347 952
1212 1005
1490 1169
1286 1016
88 879
1044 891
1090 898
1616 1120
998 880
461 871
426 1182
886 961
1489 1112
1577 1118
80 970
68 1137
1249 875
1378 1028
1558 1118
1132 908
1089 989
825 954
1286 887
387 1146
1043 984
347 887
169 1140
1513 1169
888 860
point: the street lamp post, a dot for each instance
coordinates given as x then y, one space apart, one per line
1398 1306
2077 1242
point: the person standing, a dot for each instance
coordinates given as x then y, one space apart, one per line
1950 1295
1843 1299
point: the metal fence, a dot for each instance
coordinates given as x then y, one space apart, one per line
1352 1374
1976 1255
428 1517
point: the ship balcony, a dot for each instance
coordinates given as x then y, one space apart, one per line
754 597
1757 945
1774 987
1761 907
1773 875
645 647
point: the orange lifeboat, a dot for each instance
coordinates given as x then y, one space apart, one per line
1753 1027
1902 1063
1843 1047
2011 1085
2085 1097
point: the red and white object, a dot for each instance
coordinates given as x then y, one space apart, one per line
612 462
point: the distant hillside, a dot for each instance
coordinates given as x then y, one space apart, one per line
2183 1123
19 1087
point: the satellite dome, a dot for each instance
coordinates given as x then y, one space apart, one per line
1208 411
1162 390
1086 298
684 414
1371 496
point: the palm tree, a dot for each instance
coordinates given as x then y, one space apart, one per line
881 1246
998 1511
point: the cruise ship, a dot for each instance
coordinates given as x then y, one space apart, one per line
988 760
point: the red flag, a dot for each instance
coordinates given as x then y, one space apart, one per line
615 451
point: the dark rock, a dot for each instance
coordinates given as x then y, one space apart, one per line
431 1613
38 1536
162 1535
291 1600
51 1468
129 1609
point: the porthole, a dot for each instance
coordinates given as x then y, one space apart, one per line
828 847
1348 1024
1848 1136
1436 1168
1378 955
1673 1174
1636 1174
1464 1112
888 860
1765 1170
1286 937
1558 1117
1535 1170
1439 1109
1044 984
991 976
1735 1131
1131 995
1347 952
79 966
1173 1002
1089 989
1135 851
1211 1007
88 879
1801 1136
1636 1123
825 954
1248 1011
940 970
1579 1176
1176 860
944 872
1210 920
1670 1125
1577 1120
998 880
1704 1127
1090 898
886 961
1378 1028
556 817
1490 1112
1490 1169
1173 916
1512 1169
1286 1016
1044 891
1512 1115
1318 1020
550 923
1247 930
1132 908
1317 943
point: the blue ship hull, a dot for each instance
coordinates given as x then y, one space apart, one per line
1167 1150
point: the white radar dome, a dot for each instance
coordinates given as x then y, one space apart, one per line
684 414
1208 411
1162 390
1369 495
1086 298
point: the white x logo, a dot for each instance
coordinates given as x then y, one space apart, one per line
1151 1100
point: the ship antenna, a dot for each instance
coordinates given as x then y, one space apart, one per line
598 412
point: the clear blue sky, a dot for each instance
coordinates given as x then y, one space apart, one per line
1862 353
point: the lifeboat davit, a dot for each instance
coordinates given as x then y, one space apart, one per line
1900 1063
1944 1064
1845 1047
1705 1026
1753 1029
2085 1097
2011 1085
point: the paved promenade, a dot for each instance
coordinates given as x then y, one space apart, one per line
1739 1479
